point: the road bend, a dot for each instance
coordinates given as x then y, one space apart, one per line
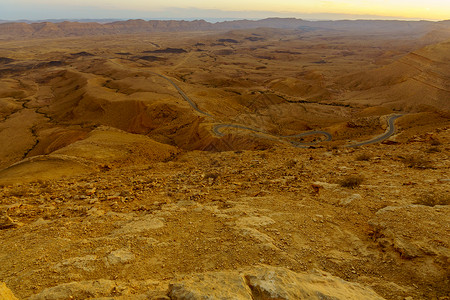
328 137
390 131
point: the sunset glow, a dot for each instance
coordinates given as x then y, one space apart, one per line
414 9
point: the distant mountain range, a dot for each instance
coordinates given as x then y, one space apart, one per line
101 21
60 28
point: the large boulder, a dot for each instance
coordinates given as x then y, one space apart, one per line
414 231
267 282
419 236
82 290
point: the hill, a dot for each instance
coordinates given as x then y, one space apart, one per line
268 163
419 80
67 28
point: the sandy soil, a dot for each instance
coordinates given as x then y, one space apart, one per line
112 185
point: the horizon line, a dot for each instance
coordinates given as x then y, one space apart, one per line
219 19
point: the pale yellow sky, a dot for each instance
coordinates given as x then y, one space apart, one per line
419 9
427 9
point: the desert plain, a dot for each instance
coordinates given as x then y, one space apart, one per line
276 160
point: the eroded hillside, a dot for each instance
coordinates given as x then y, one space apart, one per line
210 163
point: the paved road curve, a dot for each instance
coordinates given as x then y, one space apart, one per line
328 137
182 93
390 131
216 128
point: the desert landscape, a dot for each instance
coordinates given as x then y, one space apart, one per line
270 159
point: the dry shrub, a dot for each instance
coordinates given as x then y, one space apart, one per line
291 163
417 162
18 191
212 176
435 142
46 189
215 163
433 150
351 181
363 157
433 198
42 184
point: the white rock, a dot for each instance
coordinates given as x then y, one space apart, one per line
120 256
350 199
85 263
82 290
148 222
255 221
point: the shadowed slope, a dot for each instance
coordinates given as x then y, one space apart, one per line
418 80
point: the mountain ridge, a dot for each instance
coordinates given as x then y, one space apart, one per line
68 28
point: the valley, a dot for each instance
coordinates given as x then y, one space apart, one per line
201 159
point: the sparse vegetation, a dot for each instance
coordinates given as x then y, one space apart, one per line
291 163
351 181
154 184
363 157
212 176
417 162
433 150
18 191
433 198
435 142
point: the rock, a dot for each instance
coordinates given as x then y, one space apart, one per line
414 230
83 290
131 297
281 283
139 225
268 282
95 212
91 192
85 263
6 222
420 235
327 154
350 199
114 198
317 185
120 256
5 293
390 141
257 236
219 285
125 193
41 222
255 221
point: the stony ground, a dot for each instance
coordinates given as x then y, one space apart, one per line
377 216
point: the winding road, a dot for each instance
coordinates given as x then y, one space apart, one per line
390 131
216 129
183 94
328 137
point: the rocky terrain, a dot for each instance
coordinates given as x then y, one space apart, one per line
140 228
437 31
120 180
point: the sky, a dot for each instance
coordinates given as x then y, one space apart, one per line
227 9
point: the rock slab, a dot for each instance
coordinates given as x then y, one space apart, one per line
5 293
266 282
